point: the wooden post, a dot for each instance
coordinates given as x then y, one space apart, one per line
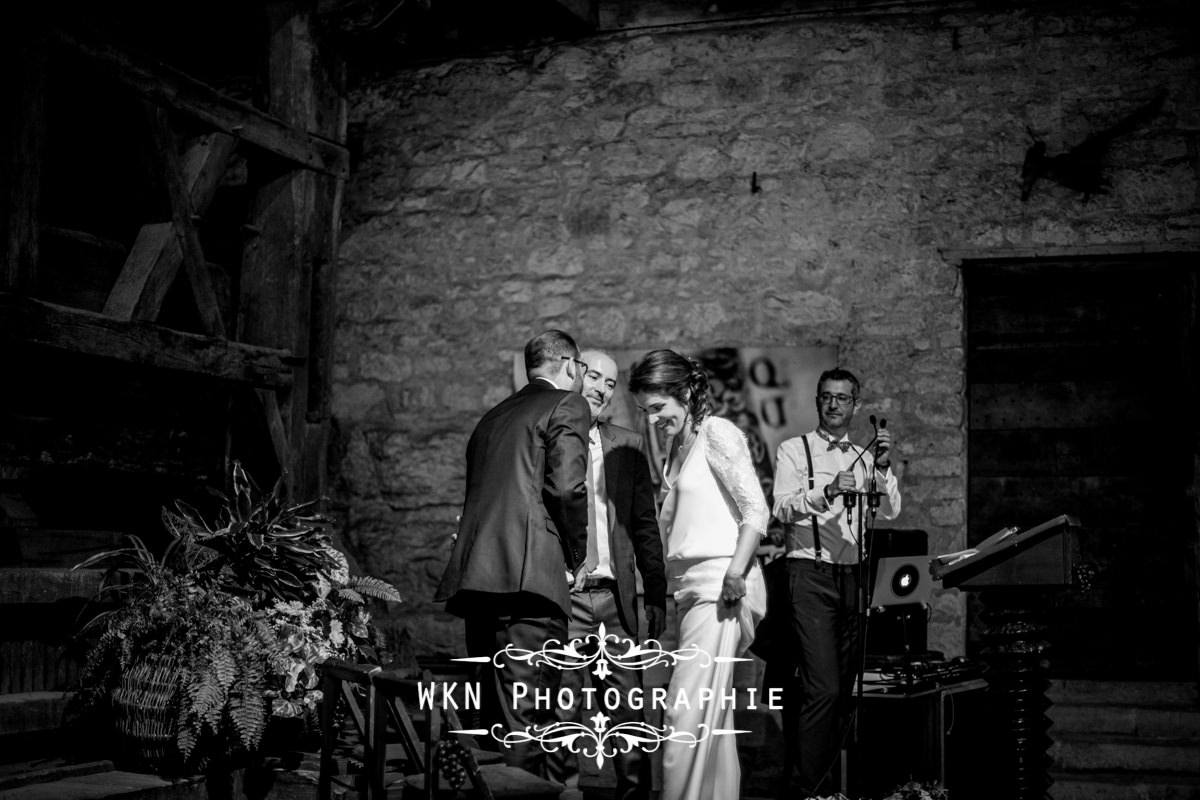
333 106
276 282
21 177
287 271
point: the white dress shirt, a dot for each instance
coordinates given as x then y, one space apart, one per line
599 501
796 505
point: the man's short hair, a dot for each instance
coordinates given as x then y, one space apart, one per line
544 351
598 351
839 374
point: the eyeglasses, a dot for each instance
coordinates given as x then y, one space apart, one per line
582 364
842 399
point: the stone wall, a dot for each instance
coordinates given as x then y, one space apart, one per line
799 182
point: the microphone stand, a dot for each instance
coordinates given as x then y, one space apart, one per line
862 600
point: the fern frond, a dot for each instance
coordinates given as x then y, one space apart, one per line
374 587
224 667
185 740
351 595
248 713
206 698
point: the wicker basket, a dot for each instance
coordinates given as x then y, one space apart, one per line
145 708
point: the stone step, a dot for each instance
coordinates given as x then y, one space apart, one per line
54 547
1133 720
110 784
44 770
1150 693
20 585
1114 752
31 665
1123 786
29 712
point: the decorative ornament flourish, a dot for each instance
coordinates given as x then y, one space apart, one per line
639 656
601 742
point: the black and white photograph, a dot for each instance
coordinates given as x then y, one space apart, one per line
600 400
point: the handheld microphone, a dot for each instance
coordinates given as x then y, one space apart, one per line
873 493
863 451
882 424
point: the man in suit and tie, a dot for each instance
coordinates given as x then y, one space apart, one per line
522 538
624 514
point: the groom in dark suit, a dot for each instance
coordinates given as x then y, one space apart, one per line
522 539
623 504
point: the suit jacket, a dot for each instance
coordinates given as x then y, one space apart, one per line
524 520
633 535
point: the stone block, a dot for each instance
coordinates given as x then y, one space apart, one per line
701 163
940 467
29 712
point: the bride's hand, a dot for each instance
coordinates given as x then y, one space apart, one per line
733 589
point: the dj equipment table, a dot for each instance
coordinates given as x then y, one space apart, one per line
928 732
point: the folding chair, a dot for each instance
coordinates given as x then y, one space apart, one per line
390 687
340 679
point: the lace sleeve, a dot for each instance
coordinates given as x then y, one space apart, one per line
729 456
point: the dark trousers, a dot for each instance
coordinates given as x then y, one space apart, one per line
486 636
816 704
590 608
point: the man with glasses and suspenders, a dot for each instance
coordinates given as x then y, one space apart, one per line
823 574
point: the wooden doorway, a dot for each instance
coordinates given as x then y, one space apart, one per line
1082 387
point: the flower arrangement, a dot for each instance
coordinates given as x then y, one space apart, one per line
914 790
334 625
227 627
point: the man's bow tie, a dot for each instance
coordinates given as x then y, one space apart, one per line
842 445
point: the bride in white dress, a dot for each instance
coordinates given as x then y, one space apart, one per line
712 518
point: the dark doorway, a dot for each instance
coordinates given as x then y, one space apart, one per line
1081 380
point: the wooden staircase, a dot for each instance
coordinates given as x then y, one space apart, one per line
1118 740
40 606
40 600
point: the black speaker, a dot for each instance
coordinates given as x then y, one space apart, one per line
897 623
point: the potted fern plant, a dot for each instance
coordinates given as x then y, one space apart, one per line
207 643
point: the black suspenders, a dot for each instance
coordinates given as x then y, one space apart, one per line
811 484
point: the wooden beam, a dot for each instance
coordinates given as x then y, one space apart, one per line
31 321
178 194
84 238
25 138
171 88
149 271
204 161
154 260
273 417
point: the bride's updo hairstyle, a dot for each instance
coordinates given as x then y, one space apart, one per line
667 372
